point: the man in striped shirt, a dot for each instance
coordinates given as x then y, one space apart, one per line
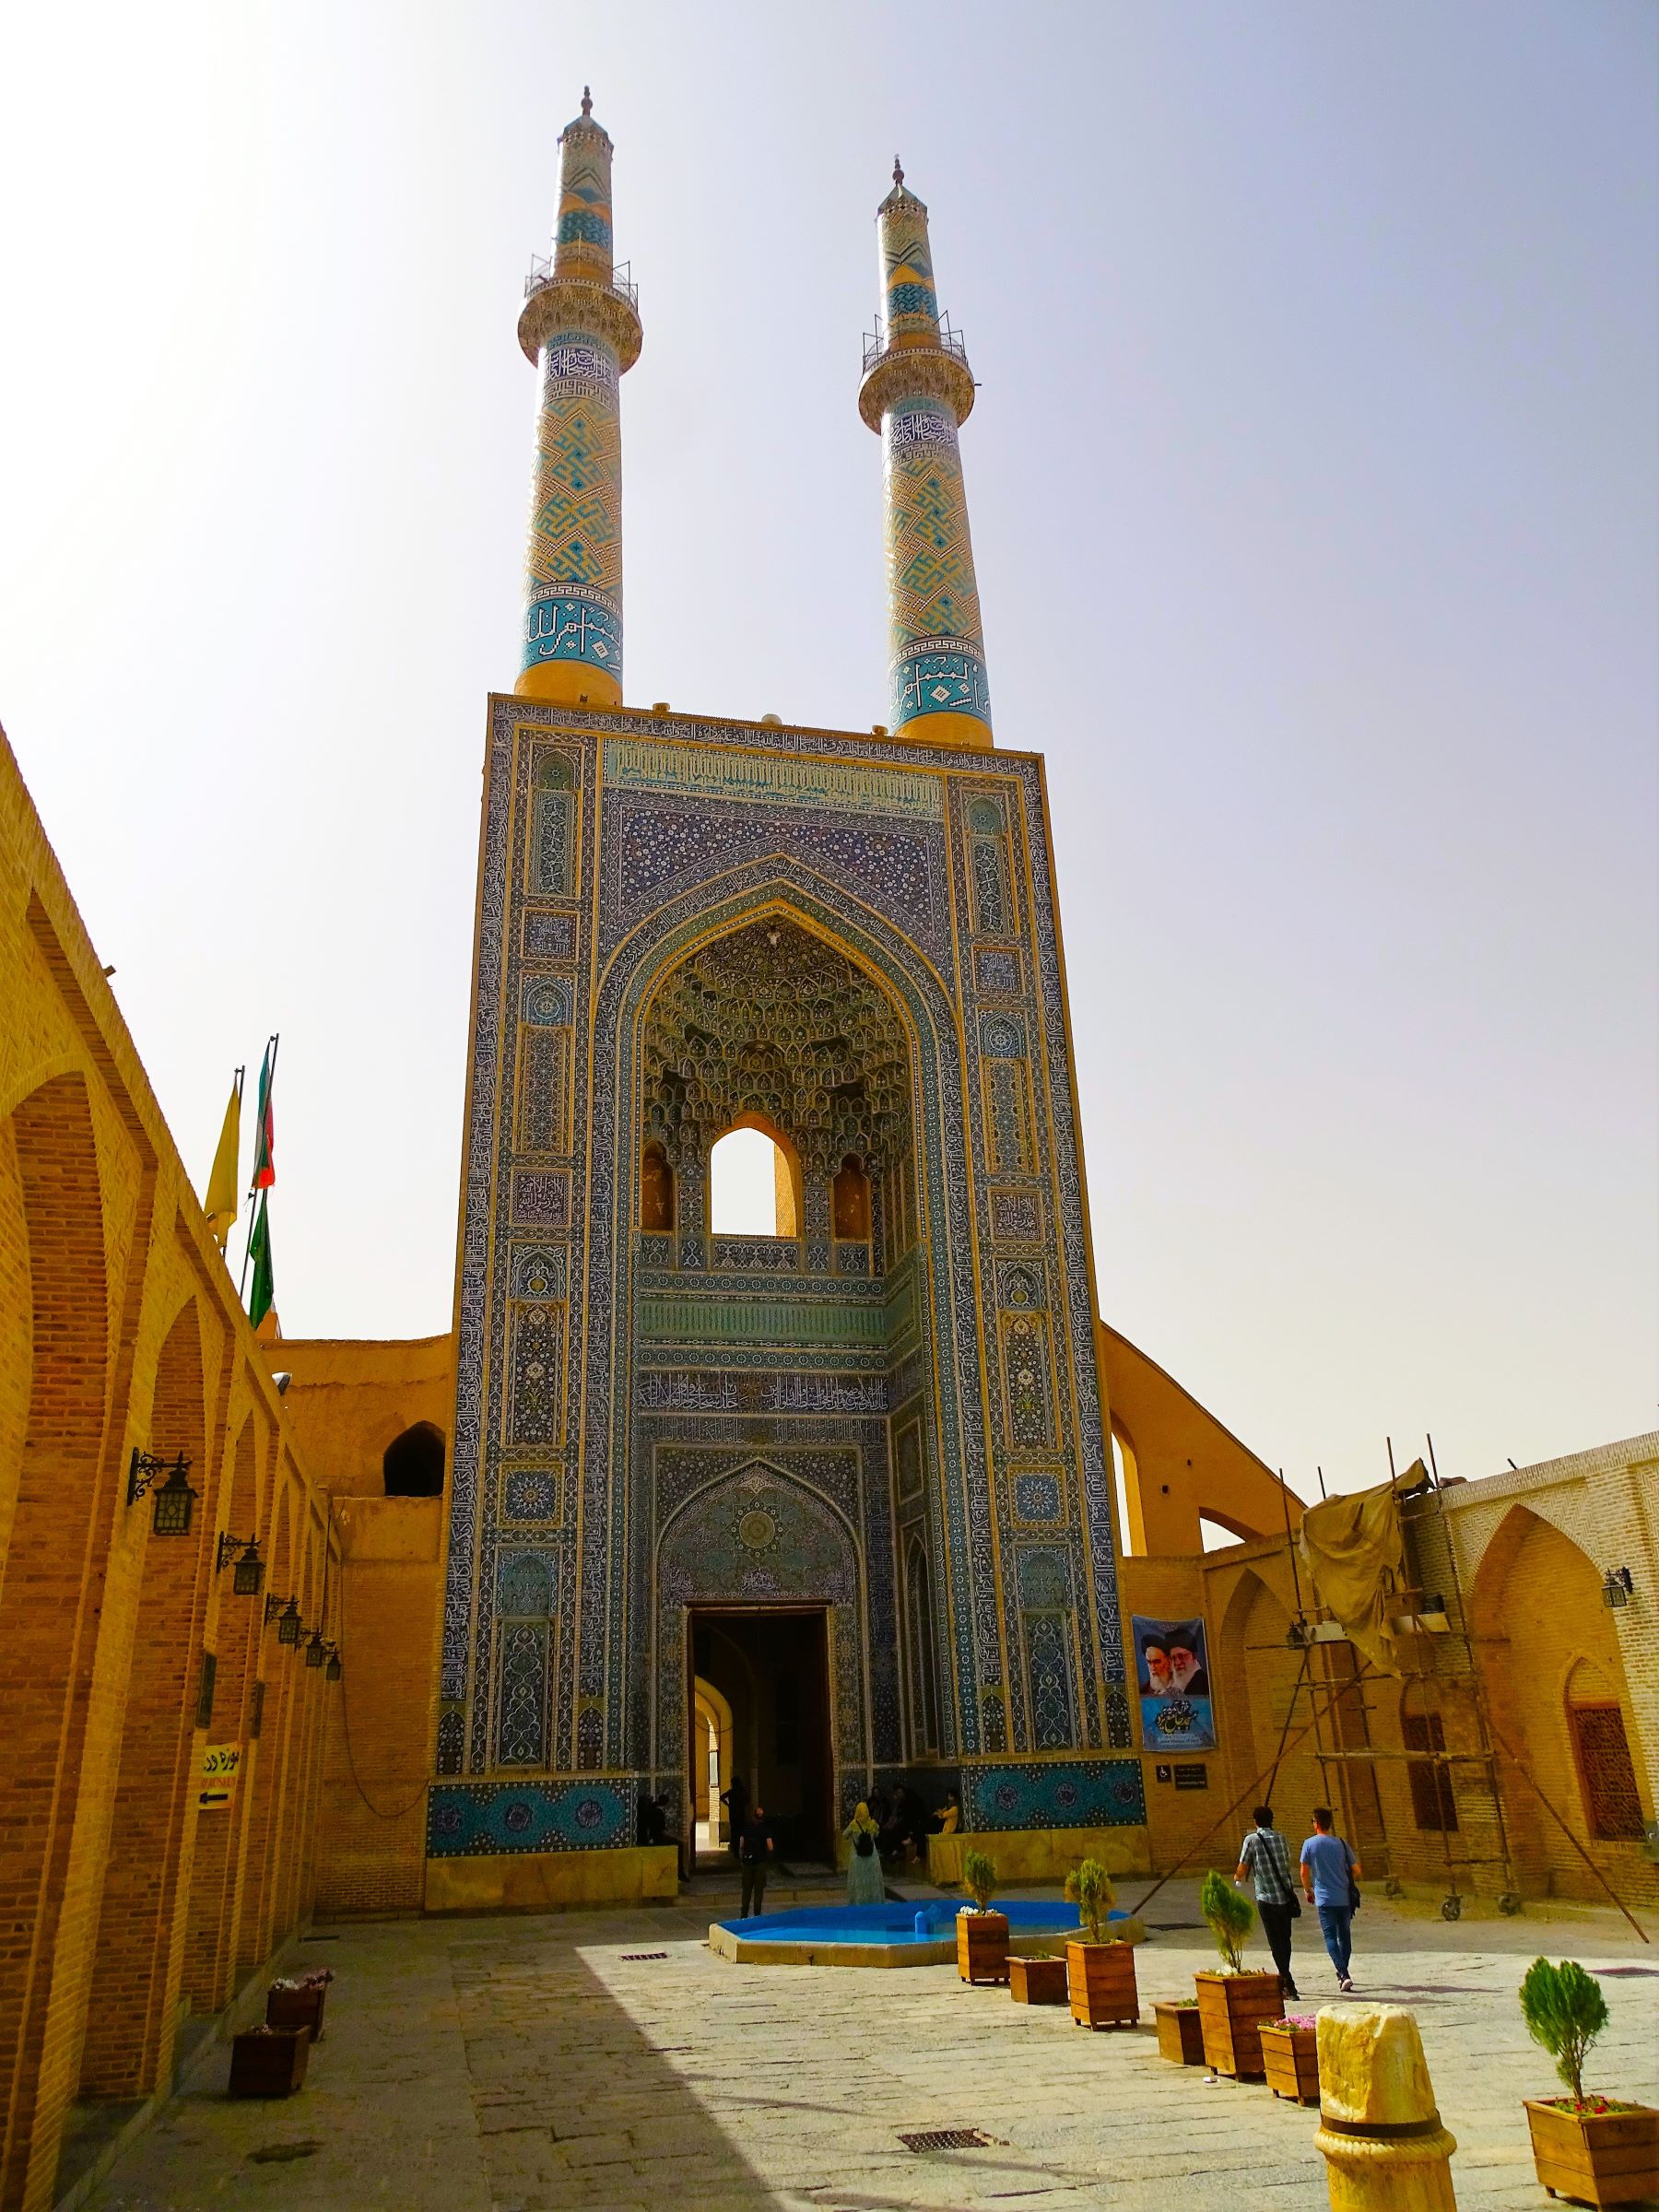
1264 1855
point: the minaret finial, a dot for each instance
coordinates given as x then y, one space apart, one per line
581 325
917 391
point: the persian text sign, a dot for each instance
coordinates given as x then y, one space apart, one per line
221 1763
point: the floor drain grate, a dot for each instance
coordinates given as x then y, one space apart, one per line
633 1958
947 2138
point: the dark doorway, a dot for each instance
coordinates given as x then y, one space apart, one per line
771 1664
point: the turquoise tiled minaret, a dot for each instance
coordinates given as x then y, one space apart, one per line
917 391
581 325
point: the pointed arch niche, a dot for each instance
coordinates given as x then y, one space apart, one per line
1559 1699
776 1102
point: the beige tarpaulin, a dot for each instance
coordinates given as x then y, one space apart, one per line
1354 1550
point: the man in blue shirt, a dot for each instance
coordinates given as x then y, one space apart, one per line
1329 1870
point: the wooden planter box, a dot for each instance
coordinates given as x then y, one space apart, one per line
1291 2058
1037 1980
1100 1983
1179 2033
982 1946
1234 2008
297 2007
1595 2158
269 2065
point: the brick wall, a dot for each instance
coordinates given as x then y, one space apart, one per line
120 1327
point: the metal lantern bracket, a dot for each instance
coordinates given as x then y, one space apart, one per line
173 1502
249 1579
284 1612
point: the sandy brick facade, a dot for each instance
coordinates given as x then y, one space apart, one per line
119 1896
1520 1560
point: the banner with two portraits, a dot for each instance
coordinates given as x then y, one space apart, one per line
1172 1662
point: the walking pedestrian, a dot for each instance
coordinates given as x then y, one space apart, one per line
1265 1856
755 1853
736 1800
1330 1879
865 1882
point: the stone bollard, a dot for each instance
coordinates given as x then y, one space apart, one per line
1384 2148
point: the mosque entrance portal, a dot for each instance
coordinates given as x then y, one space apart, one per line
771 1665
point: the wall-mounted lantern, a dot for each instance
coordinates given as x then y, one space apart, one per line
173 1502
316 1650
1616 1586
249 1579
284 1612
335 1668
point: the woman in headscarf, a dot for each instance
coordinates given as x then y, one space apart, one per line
865 1882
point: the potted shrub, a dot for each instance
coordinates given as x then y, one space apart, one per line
1290 2055
1598 2149
269 2062
1099 1973
981 1935
1180 2031
1232 2004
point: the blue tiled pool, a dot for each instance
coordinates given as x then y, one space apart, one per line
895 1935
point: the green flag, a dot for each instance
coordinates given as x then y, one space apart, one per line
259 1252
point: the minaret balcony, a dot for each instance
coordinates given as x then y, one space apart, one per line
555 301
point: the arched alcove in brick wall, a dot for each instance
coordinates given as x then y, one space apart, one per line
53 1489
137 1961
1552 1658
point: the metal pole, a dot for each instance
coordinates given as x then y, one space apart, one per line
1571 1839
1291 1546
1248 1790
1477 1688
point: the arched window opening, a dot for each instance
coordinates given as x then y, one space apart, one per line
1606 1772
1120 1461
851 1211
412 1464
924 1699
1433 1807
751 1186
1215 1536
656 1189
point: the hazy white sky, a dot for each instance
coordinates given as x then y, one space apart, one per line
1313 486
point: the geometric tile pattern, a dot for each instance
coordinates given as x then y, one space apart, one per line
573 607
605 1375
937 650
1096 1793
465 1819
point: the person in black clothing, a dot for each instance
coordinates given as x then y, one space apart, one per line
653 1817
736 1800
756 1851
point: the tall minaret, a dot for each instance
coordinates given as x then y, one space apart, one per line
581 325
917 389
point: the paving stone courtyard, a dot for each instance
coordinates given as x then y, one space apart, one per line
511 2065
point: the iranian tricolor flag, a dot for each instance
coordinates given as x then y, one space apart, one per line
265 1135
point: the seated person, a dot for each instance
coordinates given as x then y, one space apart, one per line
653 1817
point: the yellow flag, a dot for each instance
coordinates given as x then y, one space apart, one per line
225 1181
